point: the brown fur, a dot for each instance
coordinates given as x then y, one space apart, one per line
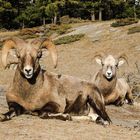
115 90
46 93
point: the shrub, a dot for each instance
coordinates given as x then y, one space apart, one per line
63 29
44 31
68 39
77 20
65 19
135 29
60 29
124 22
29 31
3 30
28 36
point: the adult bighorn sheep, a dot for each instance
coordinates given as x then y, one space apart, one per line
114 90
49 95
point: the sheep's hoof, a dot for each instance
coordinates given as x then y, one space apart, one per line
31 113
4 118
131 102
43 115
68 117
120 103
99 120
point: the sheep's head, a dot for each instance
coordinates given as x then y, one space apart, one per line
28 54
110 64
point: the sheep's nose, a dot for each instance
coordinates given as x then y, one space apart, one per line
28 70
109 73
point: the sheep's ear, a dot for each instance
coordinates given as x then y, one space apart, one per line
13 53
12 59
12 66
120 62
45 54
99 61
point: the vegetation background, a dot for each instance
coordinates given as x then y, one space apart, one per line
30 13
77 43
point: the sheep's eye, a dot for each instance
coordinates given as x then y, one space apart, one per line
18 56
39 54
102 64
116 65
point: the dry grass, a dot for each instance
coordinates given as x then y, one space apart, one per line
133 30
76 59
124 22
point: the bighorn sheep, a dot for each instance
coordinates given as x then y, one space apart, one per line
48 95
114 90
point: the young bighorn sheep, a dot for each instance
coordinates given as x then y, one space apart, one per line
49 95
114 90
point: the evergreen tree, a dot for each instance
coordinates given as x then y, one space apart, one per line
29 13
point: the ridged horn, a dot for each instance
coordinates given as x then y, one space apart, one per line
100 55
10 44
123 56
48 44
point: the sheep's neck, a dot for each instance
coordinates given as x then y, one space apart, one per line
26 87
107 86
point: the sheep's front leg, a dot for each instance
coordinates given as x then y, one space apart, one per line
129 97
119 101
97 103
14 110
59 116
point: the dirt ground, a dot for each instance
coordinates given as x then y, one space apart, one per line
77 59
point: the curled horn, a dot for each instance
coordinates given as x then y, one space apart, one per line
123 56
100 55
9 44
47 43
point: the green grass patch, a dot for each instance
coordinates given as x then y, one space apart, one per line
68 39
133 30
59 29
68 20
124 22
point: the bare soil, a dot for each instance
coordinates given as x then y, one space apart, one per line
77 59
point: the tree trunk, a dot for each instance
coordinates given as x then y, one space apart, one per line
100 14
44 21
55 19
92 16
23 25
135 15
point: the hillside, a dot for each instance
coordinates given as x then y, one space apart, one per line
77 59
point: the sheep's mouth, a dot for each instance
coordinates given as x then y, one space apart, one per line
28 76
109 78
